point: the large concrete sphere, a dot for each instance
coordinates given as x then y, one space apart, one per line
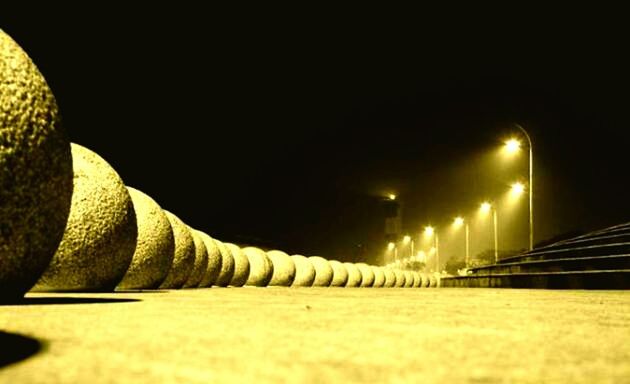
35 172
400 278
379 277
214 261
155 245
241 266
408 279
283 268
201 261
417 280
390 278
227 265
304 272
340 274
367 275
425 280
260 267
323 271
100 237
354 275
184 258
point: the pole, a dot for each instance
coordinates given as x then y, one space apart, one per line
411 255
531 187
496 241
437 252
467 246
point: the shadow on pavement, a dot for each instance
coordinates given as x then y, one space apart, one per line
66 300
16 348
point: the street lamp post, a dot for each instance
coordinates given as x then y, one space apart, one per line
458 222
531 186
485 208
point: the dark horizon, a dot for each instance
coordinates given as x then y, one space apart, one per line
290 137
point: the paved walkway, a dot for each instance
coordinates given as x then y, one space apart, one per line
322 335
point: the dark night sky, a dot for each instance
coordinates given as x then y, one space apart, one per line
255 128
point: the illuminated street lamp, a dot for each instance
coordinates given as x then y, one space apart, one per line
484 209
408 242
391 196
458 222
517 189
512 146
428 232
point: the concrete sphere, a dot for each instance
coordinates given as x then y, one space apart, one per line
340 274
367 275
390 278
283 269
184 257
432 281
408 279
155 245
241 266
379 277
227 265
304 272
201 261
425 280
354 275
100 237
323 271
214 261
400 278
35 172
260 267
417 280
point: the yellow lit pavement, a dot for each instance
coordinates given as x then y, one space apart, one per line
324 335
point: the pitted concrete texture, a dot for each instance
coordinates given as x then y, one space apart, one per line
184 258
227 265
326 335
354 275
417 280
241 265
340 274
201 261
379 277
304 271
408 279
367 275
260 267
35 172
100 237
400 278
390 278
283 269
155 245
323 271
214 261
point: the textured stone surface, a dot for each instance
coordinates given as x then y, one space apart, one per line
400 278
227 265
304 272
241 266
390 278
367 275
425 280
100 237
283 269
201 261
379 277
323 271
340 274
214 261
35 172
155 245
432 280
184 258
260 267
408 279
354 275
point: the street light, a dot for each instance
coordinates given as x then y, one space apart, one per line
428 232
391 196
458 222
409 242
484 209
517 189
512 146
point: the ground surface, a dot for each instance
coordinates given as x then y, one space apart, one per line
322 335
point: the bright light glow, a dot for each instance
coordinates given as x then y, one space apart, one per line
485 207
422 257
406 239
512 146
458 222
428 231
391 246
517 189
432 251
391 196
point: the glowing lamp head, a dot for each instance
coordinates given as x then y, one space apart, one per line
458 222
428 231
485 207
517 189
512 146
406 239
391 196
391 246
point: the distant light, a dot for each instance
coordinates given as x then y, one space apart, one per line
428 231
458 222
517 189
391 196
422 257
406 239
512 146
391 246
485 207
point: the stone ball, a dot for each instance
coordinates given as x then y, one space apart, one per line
201 261
408 279
379 277
323 271
340 274
400 278
367 275
35 172
425 280
354 275
241 266
417 280
184 257
390 278
155 245
260 267
100 237
304 271
283 269
227 265
214 261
